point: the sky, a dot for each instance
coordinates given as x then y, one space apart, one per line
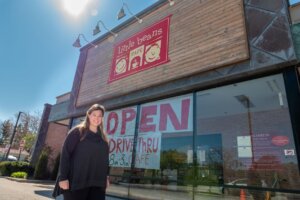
37 59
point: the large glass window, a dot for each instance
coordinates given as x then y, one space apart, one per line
244 138
77 121
164 154
120 127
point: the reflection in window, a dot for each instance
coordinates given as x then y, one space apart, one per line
165 139
77 121
294 1
249 128
120 127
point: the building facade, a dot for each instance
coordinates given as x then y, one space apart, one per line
202 100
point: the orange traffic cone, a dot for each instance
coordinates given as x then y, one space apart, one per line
242 195
268 196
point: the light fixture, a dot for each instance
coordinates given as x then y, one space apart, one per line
77 42
122 14
171 2
280 99
97 29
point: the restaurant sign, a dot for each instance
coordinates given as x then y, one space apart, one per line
144 50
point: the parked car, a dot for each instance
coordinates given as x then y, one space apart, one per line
235 191
238 182
11 158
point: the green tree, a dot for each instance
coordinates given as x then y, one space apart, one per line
29 139
6 130
41 169
172 159
18 136
27 129
56 167
22 129
1 132
35 122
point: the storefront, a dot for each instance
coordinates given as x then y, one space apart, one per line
202 101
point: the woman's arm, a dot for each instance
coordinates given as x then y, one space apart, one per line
69 146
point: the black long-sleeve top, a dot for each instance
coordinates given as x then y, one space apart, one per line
84 163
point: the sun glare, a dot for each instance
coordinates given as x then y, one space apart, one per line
75 7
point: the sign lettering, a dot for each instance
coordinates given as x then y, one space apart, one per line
146 49
170 115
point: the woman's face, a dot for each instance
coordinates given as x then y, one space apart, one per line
95 118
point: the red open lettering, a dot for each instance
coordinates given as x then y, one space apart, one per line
112 117
166 110
146 118
127 115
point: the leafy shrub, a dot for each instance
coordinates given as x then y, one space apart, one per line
7 168
19 175
41 170
56 167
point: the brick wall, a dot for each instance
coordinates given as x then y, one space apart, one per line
55 137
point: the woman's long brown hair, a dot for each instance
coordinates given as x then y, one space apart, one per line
84 126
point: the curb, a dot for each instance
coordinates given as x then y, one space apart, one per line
29 180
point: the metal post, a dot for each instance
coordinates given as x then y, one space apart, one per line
250 129
13 135
20 150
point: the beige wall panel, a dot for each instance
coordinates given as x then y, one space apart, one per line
63 97
204 35
295 13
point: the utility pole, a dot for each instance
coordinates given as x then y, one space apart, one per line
13 135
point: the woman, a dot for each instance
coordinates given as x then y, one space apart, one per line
84 159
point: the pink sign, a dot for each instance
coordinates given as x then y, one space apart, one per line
280 140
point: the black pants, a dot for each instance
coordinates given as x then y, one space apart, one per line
90 193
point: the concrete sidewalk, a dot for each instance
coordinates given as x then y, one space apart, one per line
40 190
20 189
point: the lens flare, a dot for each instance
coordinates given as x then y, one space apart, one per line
75 7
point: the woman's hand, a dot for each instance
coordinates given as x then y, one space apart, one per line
64 184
